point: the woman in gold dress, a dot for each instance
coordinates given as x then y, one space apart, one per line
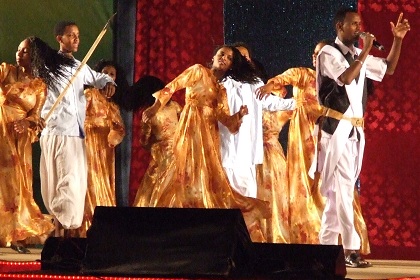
303 212
156 136
196 178
272 178
22 96
104 129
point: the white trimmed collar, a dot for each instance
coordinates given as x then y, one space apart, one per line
344 48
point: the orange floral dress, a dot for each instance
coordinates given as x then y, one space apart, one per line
157 135
104 130
21 97
196 178
272 179
305 209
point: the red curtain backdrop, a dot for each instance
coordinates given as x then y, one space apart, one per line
390 177
171 35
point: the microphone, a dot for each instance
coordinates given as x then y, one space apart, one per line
376 44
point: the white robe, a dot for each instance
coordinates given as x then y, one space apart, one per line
242 151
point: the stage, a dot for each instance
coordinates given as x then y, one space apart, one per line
27 266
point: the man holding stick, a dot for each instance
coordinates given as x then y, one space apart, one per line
63 166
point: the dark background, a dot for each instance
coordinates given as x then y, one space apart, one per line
281 34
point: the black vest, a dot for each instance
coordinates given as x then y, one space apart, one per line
333 96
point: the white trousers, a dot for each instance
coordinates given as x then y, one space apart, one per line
243 180
63 170
338 215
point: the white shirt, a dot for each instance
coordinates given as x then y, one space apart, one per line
332 63
246 147
69 116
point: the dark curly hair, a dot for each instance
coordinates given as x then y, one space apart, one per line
47 63
241 70
141 91
259 68
120 97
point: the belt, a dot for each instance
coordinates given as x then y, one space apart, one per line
328 112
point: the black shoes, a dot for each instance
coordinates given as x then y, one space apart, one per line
354 260
20 249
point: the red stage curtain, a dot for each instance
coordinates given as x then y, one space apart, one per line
390 178
171 35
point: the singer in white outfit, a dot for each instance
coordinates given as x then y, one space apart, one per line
342 91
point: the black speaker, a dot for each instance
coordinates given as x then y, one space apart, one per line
63 254
176 242
299 261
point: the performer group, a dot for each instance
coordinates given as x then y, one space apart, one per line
219 150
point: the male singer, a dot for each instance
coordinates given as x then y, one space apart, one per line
342 70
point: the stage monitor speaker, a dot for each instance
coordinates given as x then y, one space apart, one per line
63 254
163 242
299 261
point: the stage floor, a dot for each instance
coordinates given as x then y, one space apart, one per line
381 269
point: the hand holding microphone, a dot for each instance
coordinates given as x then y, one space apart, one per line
375 43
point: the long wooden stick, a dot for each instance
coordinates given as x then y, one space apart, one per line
84 61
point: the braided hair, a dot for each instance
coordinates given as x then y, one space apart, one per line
47 63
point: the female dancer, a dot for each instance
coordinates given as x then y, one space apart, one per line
22 95
104 129
157 136
196 177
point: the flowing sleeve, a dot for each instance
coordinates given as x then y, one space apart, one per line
232 122
4 71
117 131
94 78
34 115
178 108
292 76
301 78
188 78
145 134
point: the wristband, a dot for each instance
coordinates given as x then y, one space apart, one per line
361 62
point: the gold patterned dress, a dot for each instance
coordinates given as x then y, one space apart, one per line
272 179
305 214
104 129
157 135
21 97
196 178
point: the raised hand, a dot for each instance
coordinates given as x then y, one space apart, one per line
243 111
21 125
401 27
108 90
